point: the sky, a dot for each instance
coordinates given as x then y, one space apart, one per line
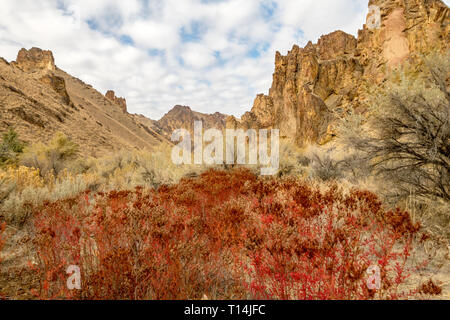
211 55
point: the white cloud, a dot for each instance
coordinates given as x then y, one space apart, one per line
152 34
210 55
197 55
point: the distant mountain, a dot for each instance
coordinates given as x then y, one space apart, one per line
184 117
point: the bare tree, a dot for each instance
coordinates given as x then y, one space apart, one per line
407 136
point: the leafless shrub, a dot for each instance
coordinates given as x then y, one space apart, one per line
293 161
326 167
407 138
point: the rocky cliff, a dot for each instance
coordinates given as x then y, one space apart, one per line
312 86
35 60
40 64
315 85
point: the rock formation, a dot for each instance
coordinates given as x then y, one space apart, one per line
58 84
41 65
317 84
35 60
312 86
111 95
408 28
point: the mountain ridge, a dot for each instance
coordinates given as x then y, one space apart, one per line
38 99
312 87
98 122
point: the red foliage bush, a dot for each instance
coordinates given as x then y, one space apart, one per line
2 240
2 243
226 235
430 288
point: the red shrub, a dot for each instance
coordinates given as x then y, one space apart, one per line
2 240
2 243
430 288
226 235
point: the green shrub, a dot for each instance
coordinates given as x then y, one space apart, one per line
10 148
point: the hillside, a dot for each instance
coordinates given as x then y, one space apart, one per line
38 99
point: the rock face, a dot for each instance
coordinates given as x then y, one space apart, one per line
336 44
309 85
58 84
117 100
317 84
41 65
35 60
312 86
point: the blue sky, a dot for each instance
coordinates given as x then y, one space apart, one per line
213 55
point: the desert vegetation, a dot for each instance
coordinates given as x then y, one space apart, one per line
405 142
54 171
224 235
10 148
141 227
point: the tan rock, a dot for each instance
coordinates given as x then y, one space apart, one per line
35 60
336 44
111 95
315 85
58 84
303 80
396 46
262 111
40 64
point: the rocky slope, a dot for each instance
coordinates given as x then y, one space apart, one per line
38 100
315 85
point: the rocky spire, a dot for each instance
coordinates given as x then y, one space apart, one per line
111 95
35 60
